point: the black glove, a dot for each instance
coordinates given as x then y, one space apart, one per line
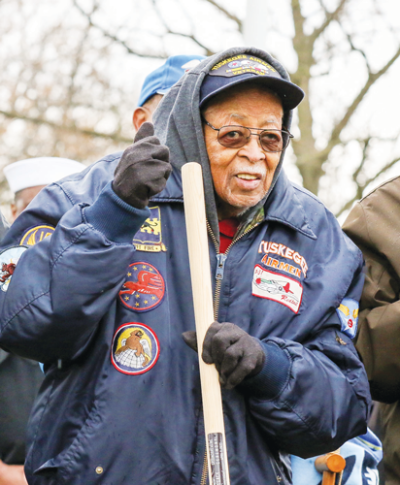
143 170
234 352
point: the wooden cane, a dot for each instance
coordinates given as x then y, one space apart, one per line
199 260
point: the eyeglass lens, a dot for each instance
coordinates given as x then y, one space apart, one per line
238 136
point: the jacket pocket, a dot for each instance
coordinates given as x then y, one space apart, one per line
63 468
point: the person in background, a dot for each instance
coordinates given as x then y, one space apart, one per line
20 378
158 83
27 178
373 224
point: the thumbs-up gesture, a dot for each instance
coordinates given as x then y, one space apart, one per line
143 170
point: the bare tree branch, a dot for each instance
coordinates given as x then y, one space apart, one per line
329 17
364 158
357 49
363 186
339 127
187 36
115 38
227 13
70 128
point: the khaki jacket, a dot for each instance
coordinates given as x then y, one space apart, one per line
374 225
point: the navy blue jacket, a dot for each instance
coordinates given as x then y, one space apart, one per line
121 402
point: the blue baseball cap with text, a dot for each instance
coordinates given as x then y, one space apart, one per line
245 67
164 77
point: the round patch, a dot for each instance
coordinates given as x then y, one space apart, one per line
144 287
234 64
135 348
36 234
8 261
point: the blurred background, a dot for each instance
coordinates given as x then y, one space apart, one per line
71 72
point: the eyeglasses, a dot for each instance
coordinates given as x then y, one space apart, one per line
236 136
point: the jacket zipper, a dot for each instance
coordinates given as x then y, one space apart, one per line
204 473
219 274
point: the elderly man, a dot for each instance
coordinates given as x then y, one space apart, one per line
121 400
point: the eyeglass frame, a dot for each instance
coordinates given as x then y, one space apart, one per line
255 134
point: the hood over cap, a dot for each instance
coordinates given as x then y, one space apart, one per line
178 125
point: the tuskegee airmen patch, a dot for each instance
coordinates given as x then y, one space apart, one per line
36 234
144 287
149 236
348 315
135 348
243 64
8 262
277 287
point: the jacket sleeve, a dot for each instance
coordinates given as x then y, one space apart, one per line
378 338
313 396
64 285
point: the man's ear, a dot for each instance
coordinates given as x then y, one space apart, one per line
140 115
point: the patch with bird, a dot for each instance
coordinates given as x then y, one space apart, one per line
8 262
144 287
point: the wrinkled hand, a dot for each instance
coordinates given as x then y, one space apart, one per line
235 353
143 170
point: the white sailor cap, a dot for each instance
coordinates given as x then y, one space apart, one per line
39 171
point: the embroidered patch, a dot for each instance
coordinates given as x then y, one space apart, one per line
8 261
243 64
348 315
36 234
149 236
277 287
269 247
144 287
135 348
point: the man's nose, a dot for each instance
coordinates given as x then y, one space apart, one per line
252 150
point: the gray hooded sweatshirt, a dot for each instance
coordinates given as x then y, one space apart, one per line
178 124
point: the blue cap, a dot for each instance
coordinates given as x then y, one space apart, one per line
163 78
245 67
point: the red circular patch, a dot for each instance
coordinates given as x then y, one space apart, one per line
144 287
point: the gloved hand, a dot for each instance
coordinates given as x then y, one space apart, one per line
143 170
235 353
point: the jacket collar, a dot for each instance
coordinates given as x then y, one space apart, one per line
283 205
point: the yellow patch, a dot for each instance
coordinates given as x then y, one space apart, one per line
149 236
36 234
345 310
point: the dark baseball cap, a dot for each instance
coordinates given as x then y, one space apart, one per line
164 77
244 67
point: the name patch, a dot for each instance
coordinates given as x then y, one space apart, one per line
277 287
269 247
